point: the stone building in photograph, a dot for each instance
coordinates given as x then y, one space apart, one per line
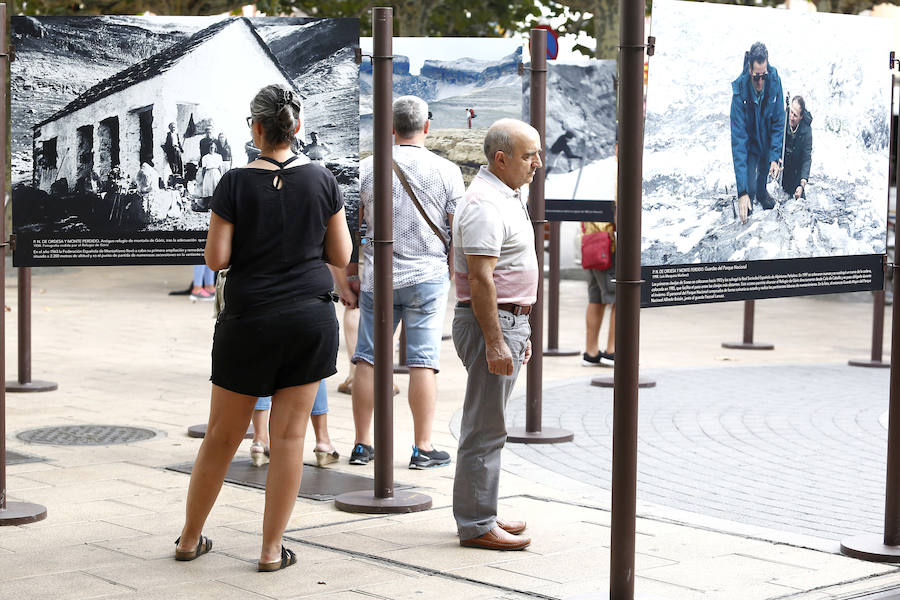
203 83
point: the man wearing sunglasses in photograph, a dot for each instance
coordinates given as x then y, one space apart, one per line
757 128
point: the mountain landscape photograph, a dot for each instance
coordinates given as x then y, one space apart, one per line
452 75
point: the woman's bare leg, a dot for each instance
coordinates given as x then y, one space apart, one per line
287 429
229 414
320 428
260 420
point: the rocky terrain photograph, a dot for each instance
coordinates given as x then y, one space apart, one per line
690 210
580 128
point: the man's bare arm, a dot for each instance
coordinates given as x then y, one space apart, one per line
484 305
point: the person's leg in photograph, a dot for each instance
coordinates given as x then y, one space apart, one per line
762 194
287 429
229 413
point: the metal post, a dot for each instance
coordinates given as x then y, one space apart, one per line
385 499
628 301
877 335
748 343
11 513
878 296
533 432
873 547
553 298
24 383
383 274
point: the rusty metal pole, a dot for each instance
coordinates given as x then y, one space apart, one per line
383 273
877 335
534 433
886 548
11 513
553 348
24 382
748 343
628 300
878 297
385 498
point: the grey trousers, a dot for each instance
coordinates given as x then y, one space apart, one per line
483 430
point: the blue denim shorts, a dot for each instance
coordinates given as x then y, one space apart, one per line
421 307
320 406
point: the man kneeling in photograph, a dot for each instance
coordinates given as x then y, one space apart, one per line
757 128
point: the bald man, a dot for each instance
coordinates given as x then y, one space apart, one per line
496 275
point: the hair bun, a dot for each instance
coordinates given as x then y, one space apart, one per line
287 97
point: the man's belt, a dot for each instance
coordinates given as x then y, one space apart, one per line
516 309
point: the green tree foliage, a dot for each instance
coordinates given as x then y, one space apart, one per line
415 18
435 18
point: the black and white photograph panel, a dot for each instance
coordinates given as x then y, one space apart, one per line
468 84
123 126
766 136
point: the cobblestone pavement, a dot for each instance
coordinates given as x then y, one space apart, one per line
794 448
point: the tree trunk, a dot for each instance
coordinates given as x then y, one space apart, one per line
606 28
412 17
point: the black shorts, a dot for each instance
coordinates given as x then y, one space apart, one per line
259 353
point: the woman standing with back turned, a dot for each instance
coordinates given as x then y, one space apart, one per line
275 223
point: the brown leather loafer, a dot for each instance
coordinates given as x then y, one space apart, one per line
497 539
513 527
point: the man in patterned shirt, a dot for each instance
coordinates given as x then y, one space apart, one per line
496 283
420 278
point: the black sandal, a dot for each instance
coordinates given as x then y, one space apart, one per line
204 545
288 558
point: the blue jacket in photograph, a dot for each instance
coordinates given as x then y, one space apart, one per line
757 130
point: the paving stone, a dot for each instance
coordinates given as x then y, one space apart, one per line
335 576
27 539
143 575
59 586
749 453
206 590
431 587
65 559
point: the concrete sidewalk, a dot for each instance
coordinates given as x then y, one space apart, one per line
124 353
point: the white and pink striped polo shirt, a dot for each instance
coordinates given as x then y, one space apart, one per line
492 220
